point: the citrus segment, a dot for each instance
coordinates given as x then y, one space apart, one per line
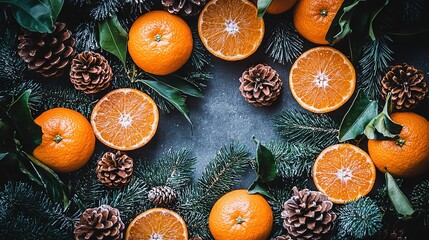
239 215
344 172
68 141
160 42
230 29
125 119
407 156
157 223
322 79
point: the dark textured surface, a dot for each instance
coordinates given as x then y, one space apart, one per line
223 116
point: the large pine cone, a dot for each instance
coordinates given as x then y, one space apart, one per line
162 196
115 169
47 53
406 84
260 85
103 222
90 72
308 214
184 7
282 237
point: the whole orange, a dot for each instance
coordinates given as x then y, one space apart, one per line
239 215
68 141
280 6
409 155
160 42
312 18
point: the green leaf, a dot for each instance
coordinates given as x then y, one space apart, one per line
341 25
383 127
262 7
56 6
33 15
3 154
374 15
170 94
29 133
362 111
399 200
259 188
266 165
45 177
113 38
179 83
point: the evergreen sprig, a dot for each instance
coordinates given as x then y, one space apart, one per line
200 58
317 130
376 56
359 219
12 66
413 11
85 36
284 44
420 200
104 9
21 205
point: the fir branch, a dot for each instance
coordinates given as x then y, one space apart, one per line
279 197
59 96
199 78
284 44
200 58
138 6
376 56
412 11
293 160
359 219
85 36
80 3
174 169
11 90
105 8
420 200
12 66
316 130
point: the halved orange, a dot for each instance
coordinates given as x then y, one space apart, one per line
231 29
125 119
157 223
322 79
344 172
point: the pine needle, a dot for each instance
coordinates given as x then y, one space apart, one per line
85 36
105 8
284 44
12 66
200 58
316 130
376 56
413 11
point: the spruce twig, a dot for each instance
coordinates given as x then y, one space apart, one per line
200 58
316 130
420 200
12 66
85 37
413 11
105 8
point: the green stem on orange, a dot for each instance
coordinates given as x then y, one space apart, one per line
58 138
158 37
239 220
324 12
400 142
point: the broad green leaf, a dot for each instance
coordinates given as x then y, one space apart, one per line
374 15
262 7
383 127
266 166
170 94
29 133
362 111
113 38
341 25
180 84
33 15
259 188
399 200
56 6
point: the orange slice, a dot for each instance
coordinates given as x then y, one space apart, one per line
344 172
157 223
125 119
230 29
322 79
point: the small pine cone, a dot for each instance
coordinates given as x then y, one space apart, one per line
184 7
103 222
308 214
406 84
196 238
282 237
90 72
390 234
260 85
115 169
162 196
48 53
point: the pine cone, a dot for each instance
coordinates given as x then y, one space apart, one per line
162 196
196 238
260 85
103 222
90 72
282 237
390 234
308 214
407 85
184 7
48 53
115 170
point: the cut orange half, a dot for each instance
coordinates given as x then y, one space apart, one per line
322 79
230 29
125 119
344 172
157 223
